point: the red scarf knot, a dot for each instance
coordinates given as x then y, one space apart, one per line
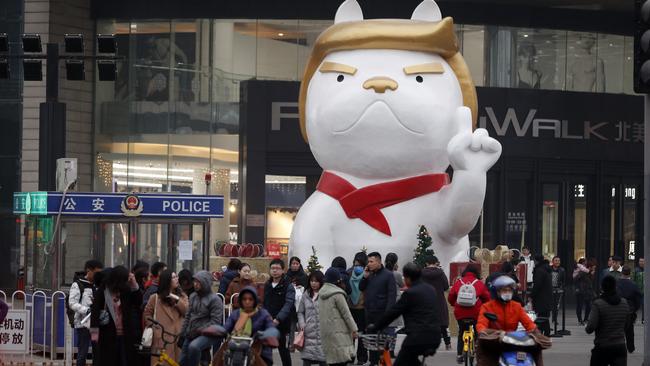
366 203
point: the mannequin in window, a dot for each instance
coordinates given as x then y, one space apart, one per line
528 76
587 67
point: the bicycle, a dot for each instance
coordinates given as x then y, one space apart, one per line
469 342
381 342
163 357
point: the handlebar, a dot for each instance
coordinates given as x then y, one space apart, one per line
173 336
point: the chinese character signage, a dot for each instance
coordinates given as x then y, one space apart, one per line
118 204
515 221
14 332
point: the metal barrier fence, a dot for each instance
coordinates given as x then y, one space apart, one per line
49 334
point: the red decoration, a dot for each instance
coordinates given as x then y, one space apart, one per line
365 203
273 250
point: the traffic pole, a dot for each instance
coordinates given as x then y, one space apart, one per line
646 225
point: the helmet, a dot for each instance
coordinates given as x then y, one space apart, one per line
503 281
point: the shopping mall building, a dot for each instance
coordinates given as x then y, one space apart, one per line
210 88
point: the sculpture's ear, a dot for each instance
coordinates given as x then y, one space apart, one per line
349 11
427 11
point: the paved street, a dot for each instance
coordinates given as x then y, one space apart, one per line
571 350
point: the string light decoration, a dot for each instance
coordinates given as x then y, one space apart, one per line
220 180
104 170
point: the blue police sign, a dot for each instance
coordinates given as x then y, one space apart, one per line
122 204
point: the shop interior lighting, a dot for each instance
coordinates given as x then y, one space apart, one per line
106 70
74 70
138 184
33 70
151 169
4 69
32 43
4 43
154 176
106 44
74 43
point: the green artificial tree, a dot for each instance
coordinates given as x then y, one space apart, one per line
424 247
313 264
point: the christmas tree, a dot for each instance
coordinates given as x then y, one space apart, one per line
313 264
424 247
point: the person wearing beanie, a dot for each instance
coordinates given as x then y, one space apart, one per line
610 315
337 327
356 300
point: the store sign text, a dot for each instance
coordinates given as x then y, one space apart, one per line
530 126
559 129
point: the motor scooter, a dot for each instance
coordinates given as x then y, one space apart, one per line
517 348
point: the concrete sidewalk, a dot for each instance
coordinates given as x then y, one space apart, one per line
573 350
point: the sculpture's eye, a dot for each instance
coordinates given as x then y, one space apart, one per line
340 78
419 79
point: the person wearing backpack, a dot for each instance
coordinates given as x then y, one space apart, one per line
467 295
80 299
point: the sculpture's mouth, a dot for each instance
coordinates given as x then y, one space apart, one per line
377 110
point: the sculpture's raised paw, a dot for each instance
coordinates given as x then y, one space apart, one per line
472 150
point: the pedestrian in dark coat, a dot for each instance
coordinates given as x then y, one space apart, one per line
229 274
608 318
418 306
628 290
436 277
113 311
542 293
205 310
380 292
296 274
341 265
279 299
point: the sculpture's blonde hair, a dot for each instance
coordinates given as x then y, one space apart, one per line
395 34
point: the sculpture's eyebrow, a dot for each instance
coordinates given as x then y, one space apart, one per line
336 67
430 68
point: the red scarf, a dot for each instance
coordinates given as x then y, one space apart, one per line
365 203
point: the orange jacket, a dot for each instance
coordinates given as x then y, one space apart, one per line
509 315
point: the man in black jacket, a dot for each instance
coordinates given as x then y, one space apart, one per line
632 294
558 276
419 307
542 293
608 318
379 291
279 297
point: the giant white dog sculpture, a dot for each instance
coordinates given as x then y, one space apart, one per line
386 106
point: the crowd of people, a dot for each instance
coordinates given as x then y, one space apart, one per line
321 314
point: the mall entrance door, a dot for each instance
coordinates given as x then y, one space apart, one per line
179 244
582 219
566 214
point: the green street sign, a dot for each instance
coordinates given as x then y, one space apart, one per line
30 203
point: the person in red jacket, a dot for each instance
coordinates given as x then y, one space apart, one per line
509 313
466 315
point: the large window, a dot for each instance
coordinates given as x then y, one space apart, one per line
558 60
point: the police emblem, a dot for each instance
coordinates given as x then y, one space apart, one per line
131 206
